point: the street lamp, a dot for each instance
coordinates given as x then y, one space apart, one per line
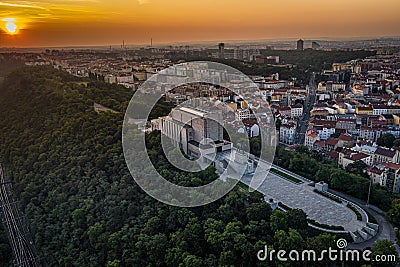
370 184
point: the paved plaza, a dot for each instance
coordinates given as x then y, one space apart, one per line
302 196
295 193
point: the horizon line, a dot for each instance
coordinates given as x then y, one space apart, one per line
199 42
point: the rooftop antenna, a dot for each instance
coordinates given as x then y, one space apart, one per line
151 42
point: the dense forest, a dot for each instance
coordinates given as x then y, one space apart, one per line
317 60
84 208
8 64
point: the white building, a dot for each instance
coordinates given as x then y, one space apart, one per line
242 114
287 133
348 159
367 133
250 127
325 133
310 138
296 110
379 110
271 84
331 86
127 78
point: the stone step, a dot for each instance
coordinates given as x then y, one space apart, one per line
363 234
369 230
368 233
373 226
356 237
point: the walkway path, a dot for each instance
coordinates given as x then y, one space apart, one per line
386 230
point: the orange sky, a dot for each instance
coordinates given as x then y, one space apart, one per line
105 22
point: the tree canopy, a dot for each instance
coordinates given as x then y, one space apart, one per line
84 208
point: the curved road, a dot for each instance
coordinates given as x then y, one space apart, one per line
386 230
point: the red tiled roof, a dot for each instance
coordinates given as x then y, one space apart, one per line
323 123
391 165
332 141
376 170
341 131
365 108
345 137
333 154
380 122
380 106
312 134
319 143
364 142
385 152
357 156
298 105
249 122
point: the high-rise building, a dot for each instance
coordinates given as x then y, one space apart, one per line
315 45
300 45
238 53
221 50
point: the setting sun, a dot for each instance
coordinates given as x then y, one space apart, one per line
94 22
11 27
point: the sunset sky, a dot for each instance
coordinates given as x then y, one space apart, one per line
106 22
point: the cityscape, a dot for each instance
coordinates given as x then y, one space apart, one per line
291 139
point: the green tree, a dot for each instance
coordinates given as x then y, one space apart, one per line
302 149
278 221
303 165
192 261
335 135
386 140
358 167
393 215
396 143
297 219
258 211
288 241
385 247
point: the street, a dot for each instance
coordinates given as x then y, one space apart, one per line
309 104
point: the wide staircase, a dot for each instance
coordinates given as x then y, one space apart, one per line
365 233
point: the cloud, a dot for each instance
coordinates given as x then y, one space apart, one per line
40 10
21 5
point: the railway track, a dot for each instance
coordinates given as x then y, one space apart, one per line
22 245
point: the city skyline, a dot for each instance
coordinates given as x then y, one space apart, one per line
98 22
